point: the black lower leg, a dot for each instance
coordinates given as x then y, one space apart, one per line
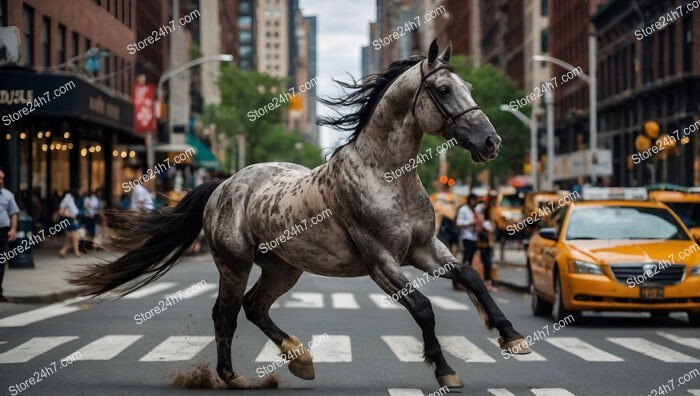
422 313
224 327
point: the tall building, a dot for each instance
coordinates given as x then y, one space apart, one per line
461 25
272 33
370 57
512 58
389 14
647 74
314 135
228 21
77 69
493 31
246 58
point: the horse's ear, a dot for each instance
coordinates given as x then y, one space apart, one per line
432 52
447 53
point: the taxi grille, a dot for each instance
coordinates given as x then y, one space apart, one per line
669 275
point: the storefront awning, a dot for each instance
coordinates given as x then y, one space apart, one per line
203 156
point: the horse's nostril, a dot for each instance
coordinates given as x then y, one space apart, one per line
491 143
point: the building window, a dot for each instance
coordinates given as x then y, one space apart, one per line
543 8
3 12
46 42
109 5
61 43
544 42
28 26
244 8
75 44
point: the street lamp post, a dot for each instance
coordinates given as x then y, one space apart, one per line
532 123
592 95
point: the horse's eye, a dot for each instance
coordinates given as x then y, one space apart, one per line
444 90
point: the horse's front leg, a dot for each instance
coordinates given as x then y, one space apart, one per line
437 255
389 277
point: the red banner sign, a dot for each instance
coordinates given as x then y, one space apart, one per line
144 109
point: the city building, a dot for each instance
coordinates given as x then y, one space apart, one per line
246 58
461 24
274 47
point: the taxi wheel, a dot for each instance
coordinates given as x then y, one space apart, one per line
559 311
539 306
694 319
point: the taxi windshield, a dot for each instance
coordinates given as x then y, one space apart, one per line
623 222
689 212
512 201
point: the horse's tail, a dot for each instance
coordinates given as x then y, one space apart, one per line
155 243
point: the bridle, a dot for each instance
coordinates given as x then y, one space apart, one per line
424 83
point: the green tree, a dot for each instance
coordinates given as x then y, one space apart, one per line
491 88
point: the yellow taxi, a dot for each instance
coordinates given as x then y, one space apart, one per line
507 209
614 250
685 203
538 205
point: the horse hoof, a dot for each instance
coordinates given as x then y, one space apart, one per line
450 381
303 370
514 347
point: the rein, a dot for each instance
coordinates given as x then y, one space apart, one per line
424 83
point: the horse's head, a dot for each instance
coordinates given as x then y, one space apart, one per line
443 105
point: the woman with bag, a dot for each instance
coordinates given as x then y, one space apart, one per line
68 210
485 242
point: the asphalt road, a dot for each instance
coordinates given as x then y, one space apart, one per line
370 350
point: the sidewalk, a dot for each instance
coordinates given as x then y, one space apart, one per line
512 270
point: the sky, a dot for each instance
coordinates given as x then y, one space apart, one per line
342 29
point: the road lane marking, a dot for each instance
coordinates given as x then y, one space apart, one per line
551 392
305 300
39 314
148 290
33 348
406 348
500 392
194 293
405 392
694 392
447 303
530 357
344 301
177 348
107 347
653 350
382 301
334 349
685 341
583 349
464 349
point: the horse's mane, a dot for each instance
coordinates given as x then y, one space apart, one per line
362 97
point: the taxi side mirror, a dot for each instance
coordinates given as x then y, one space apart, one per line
695 232
549 233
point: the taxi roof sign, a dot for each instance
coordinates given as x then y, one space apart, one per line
614 193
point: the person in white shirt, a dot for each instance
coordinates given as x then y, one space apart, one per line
141 200
68 210
485 243
468 223
91 205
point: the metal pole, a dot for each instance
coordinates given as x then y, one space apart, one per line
592 102
241 151
549 102
533 148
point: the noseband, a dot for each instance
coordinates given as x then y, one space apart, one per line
424 83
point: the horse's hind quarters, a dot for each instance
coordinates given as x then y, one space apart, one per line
301 362
515 347
450 381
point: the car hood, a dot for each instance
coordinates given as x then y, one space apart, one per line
635 251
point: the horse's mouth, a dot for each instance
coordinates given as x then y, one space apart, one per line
478 156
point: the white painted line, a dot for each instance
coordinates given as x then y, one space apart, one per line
177 348
406 348
405 392
344 301
502 300
653 350
334 349
551 392
305 300
36 315
500 392
107 347
269 352
530 357
148 290
382 301
685 341
214 296
275 304
195 291
33 348
464 349
694 392
447 303
583 349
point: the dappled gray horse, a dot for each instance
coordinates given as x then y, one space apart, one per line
376 226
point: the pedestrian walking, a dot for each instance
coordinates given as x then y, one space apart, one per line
486 240
9 216
469 224
91 206
141 200
68 210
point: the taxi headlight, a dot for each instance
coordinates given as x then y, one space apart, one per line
583 267
695 270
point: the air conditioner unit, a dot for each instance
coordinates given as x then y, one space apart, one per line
10 45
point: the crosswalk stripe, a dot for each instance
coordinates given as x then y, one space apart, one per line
269 352
694 392
195 291
583 349
331 349
177 348
382 301
685 341
107 347
464 349
33 348
652 350
148 290
40 314
305 300
551 392
530 357
447 303
406 348
500 392
405 392
344 301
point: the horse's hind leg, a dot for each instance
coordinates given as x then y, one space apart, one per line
232 283
276 279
